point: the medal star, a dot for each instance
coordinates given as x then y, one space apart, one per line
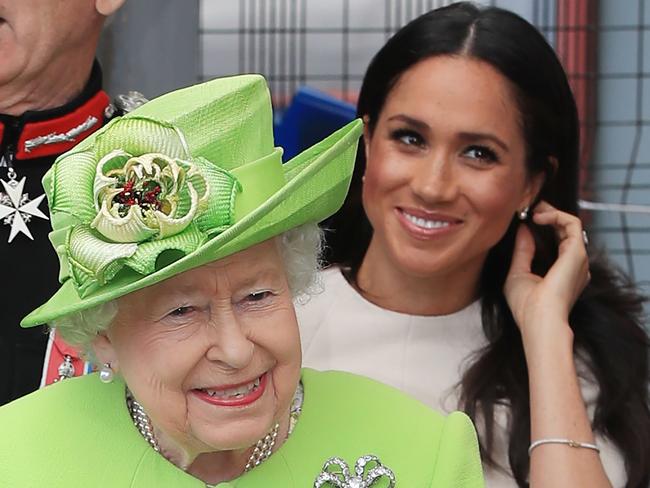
18 209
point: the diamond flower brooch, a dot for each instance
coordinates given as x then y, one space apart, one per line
367 470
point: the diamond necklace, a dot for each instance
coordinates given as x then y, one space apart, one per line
263 448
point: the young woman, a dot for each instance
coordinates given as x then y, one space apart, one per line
459 268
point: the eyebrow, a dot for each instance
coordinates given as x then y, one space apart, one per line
181 293
265 274
469 136
410 120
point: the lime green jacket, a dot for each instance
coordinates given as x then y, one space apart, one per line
78 433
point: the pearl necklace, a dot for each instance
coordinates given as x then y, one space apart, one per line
263 448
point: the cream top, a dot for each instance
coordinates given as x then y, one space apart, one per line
423 356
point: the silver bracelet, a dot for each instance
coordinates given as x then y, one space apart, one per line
568 442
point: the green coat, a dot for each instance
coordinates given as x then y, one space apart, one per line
78 433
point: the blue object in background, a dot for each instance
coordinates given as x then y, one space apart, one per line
311 116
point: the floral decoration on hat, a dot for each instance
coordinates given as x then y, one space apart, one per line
148 196
129 206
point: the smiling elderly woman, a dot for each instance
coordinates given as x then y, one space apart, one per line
183 241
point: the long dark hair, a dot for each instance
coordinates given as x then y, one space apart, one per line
607 318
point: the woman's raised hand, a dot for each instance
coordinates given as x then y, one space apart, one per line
540 304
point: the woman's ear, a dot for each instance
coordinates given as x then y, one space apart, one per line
536 183
104 351
108 7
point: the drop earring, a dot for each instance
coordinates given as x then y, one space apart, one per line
523 214
106 373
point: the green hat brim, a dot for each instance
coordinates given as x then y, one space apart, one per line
317 182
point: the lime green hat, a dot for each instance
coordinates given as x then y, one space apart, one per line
186 179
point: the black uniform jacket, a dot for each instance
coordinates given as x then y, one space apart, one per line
29 268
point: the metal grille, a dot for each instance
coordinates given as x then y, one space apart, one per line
328 45
620 158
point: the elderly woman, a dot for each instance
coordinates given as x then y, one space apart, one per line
183 240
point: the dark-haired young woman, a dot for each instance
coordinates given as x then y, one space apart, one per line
460 272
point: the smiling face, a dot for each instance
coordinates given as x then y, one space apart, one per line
212 354
445 169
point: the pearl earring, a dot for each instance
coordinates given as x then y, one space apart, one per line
523 214
106 373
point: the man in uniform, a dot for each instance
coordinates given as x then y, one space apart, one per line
51 97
